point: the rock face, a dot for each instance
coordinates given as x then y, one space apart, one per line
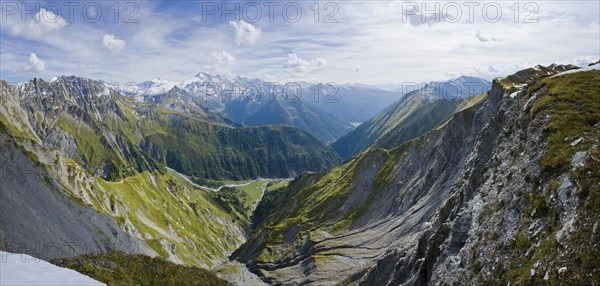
473 202
38 217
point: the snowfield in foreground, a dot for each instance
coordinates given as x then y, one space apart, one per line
22 269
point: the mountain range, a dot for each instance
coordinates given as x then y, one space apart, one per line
115 136
326 111
174 183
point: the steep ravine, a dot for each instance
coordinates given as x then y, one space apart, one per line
480 200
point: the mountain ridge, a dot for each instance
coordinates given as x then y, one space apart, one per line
446 206
124 135
416 113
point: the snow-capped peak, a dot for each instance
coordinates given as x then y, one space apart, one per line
202 75
160 80
156 86
197 82
156 81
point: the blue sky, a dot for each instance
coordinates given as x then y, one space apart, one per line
373 42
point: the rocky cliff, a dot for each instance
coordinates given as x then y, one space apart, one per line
506 191
38 217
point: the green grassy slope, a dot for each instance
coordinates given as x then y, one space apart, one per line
219 152
573 101
117 268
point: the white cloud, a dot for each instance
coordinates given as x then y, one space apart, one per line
44 23
300 65
112 43
221 63
320 62
87 67
223 58
484 39
245 33
173 44
355 69
35 64
583 61
296 63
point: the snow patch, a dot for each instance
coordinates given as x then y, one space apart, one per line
588 68
22 269
105 91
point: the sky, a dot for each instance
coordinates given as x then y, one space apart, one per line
370 42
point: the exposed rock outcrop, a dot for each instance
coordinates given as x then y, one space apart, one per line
472 202
38 217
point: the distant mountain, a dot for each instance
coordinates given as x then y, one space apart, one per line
204 87
418 112
299 114
253 102
155 86
464 86
351 103
116 136
457 87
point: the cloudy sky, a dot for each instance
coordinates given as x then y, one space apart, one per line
372 42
